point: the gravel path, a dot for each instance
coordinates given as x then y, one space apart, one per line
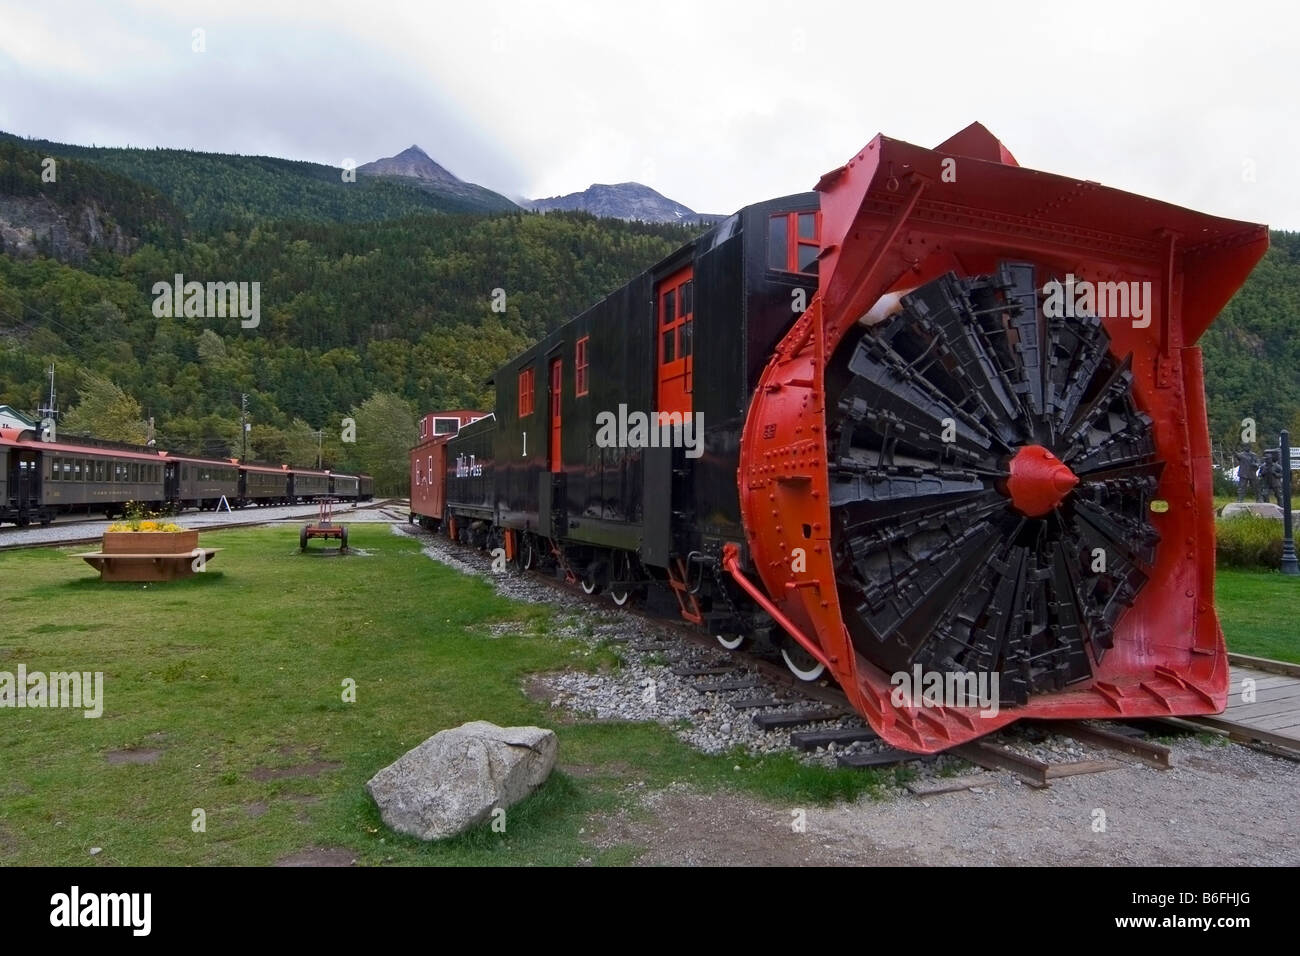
71 530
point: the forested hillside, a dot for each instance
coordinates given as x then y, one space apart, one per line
348 311
1252 353
218 191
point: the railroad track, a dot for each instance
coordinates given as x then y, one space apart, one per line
814 716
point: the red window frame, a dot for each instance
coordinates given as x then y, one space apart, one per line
526 393
793 241
580 366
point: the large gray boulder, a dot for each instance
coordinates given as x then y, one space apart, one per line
455 779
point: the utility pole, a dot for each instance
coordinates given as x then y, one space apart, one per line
243 425
49 412
320 438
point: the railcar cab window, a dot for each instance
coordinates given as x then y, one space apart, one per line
580 366
446 426
793 241
525 393
676 315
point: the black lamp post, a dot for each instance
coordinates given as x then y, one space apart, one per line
1289 565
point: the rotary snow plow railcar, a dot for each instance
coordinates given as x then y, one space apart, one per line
983 448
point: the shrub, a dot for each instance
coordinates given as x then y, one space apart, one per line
1223 485
1248 541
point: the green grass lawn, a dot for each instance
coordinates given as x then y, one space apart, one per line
236 677
1260 613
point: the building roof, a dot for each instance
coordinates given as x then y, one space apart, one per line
10 417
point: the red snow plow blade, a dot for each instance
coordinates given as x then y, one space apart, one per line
975 475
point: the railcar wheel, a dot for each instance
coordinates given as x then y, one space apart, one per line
731 642
527 552
589 582
621 572
802 664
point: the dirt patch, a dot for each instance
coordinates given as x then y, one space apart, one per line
616 768
682 827
256 809
319 856
538 687
313 769
8 842
133 755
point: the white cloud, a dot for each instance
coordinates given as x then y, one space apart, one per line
713 104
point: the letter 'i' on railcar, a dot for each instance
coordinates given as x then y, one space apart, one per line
945 414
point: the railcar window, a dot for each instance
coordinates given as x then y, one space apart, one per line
794 241
446 426
54 469
67 470
777 243
525 393
580 366
670 346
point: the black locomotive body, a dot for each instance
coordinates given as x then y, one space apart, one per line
576 453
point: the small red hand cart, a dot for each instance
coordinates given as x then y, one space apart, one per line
324 527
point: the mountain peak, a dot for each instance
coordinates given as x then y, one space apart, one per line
411 163
629 200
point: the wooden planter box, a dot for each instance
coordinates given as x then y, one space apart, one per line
148 555
150 542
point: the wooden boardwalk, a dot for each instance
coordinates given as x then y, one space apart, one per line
1273 715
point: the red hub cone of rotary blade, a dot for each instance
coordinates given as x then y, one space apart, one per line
1039 481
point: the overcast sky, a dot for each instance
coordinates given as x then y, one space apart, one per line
714 104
